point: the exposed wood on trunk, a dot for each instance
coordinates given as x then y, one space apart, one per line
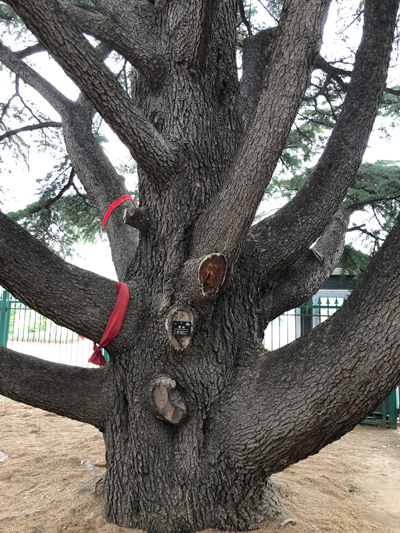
205 34
212 273
169 403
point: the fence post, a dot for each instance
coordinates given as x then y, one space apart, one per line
4 317
393 410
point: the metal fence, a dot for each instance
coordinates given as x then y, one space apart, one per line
26 331
297 322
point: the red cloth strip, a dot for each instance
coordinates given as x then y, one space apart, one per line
114 205
113 325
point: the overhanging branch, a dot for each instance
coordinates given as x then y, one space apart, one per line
30 127
77 57
30 50
337 74
77 393
70 296
14 63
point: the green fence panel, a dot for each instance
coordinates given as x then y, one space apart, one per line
4 317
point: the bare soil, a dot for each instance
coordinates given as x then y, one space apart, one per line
46 483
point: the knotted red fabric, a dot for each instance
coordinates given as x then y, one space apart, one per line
113 325
113 206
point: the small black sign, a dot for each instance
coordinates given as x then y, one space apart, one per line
181 328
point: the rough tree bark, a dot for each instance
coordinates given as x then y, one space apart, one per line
194 426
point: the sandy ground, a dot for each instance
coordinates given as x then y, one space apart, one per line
353 485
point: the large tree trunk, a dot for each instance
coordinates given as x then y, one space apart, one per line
194 425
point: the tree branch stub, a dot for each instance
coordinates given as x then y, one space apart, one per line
137 218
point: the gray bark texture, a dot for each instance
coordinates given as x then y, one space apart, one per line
195 425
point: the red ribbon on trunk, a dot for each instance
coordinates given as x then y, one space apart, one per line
114 205
113 325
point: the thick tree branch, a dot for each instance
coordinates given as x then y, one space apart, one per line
77 393
322 384
257 52
55 98
100 180
77 57
287 234
94 169
34 49
304 278
140 52
68 295
298 41
191 29
30 127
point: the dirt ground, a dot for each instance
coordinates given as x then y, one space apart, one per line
353 485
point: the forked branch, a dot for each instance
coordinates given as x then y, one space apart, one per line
78 58
298 41
141 53
324 383
100 180
287 234
94 170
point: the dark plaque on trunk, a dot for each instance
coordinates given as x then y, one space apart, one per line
181 328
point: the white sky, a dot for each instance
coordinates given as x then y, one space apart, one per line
20 182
